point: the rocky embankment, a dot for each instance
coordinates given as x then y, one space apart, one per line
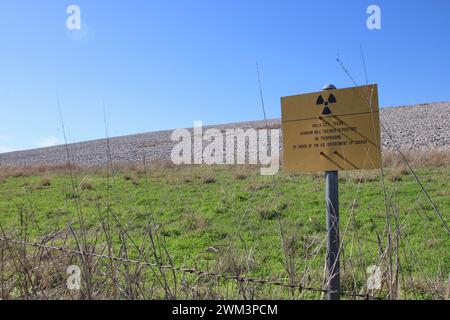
410 127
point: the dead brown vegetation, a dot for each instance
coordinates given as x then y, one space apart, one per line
391 160
417 158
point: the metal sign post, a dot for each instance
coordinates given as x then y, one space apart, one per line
333 263
332 205
332 130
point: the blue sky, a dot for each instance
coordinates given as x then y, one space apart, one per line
163 64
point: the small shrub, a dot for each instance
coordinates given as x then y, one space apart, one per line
235 261
140 170
208 180
187 180
86 185
162 164
45 182
240 176
18 173
398 172
195 222
268 214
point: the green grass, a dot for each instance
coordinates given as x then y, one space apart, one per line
209 216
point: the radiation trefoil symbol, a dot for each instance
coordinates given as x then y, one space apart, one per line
321 101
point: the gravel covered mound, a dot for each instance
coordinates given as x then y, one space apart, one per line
410 127
417 127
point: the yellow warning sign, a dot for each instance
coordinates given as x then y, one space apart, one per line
331 130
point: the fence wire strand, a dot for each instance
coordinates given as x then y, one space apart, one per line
198 272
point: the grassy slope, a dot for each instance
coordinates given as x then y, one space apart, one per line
231 209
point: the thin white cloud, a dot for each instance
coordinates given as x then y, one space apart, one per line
47 142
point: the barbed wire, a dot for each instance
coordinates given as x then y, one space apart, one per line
197 272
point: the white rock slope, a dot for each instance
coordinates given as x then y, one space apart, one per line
410 127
